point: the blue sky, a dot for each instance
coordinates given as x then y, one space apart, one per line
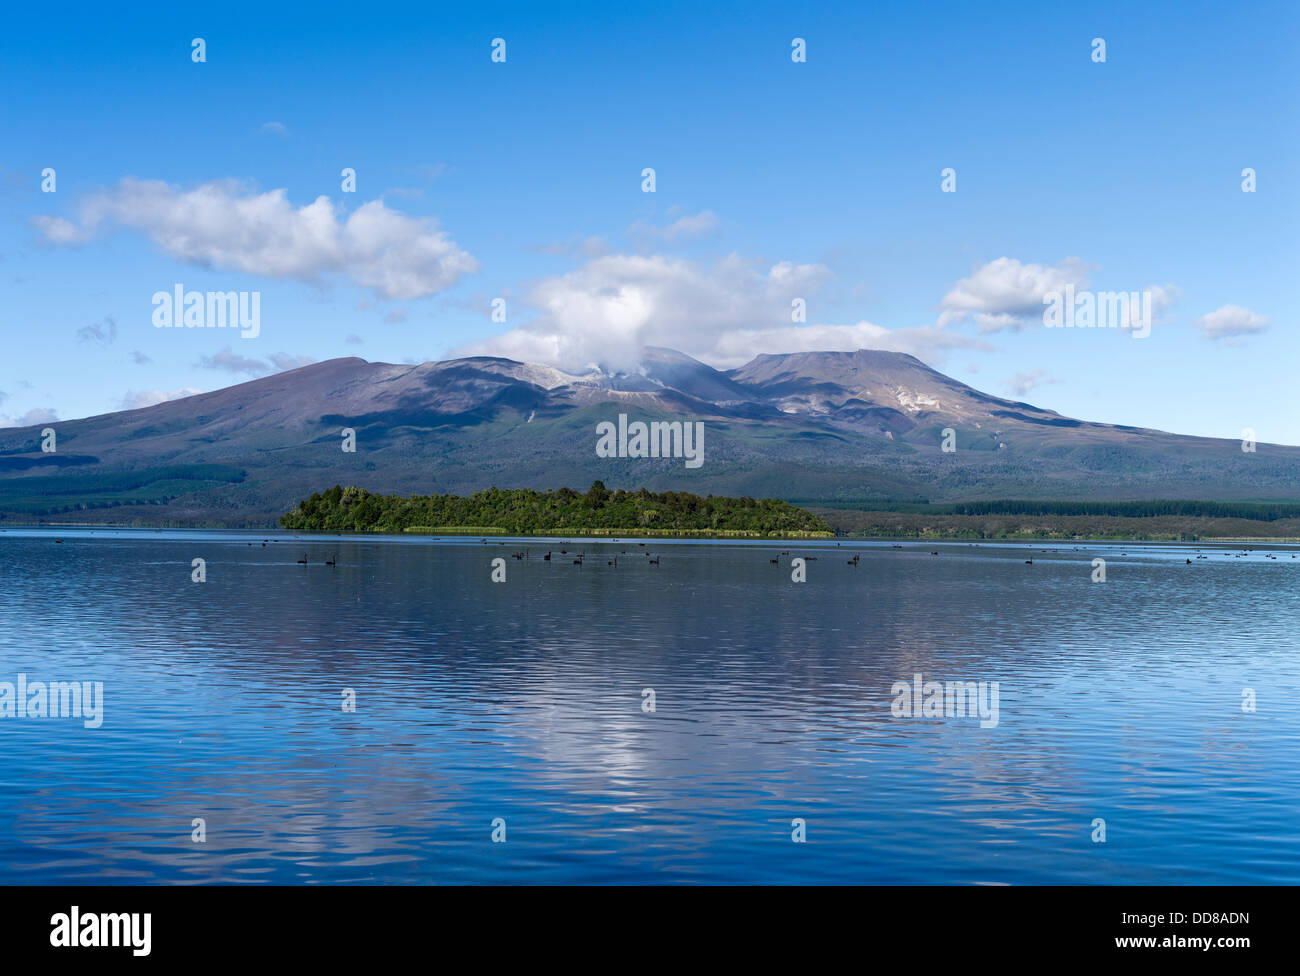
774 179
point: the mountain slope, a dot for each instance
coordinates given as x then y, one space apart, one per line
828 428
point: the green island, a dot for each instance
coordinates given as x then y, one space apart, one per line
522 511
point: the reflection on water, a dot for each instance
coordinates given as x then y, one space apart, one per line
523 700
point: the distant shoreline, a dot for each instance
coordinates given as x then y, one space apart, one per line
1059 528
603 533
283 534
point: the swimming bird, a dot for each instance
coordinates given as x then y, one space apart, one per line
303 560
334 561
546 558
1029 562
653 562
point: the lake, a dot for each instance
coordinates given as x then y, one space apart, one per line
525 704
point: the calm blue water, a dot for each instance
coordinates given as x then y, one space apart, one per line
523 700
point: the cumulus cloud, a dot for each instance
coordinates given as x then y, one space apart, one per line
723 314
147 398
273 128
1005 294
38 415
1231 322
229 361
224 225
353 339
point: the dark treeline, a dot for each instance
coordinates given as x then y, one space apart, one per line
1261 511
86 490
564 510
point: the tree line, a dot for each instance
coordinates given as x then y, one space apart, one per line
523 510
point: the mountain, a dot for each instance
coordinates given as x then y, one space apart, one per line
828 428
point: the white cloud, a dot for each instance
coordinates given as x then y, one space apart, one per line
723 314
1005 294
1162 298
1022 383
38 415
1231 322
273 128
223 225
147 398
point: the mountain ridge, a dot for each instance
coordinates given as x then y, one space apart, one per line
846 427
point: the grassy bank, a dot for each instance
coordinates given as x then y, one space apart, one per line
617 533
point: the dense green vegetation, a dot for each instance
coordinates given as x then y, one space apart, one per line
82 491
527 512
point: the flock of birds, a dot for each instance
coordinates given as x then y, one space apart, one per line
654 560
581 556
